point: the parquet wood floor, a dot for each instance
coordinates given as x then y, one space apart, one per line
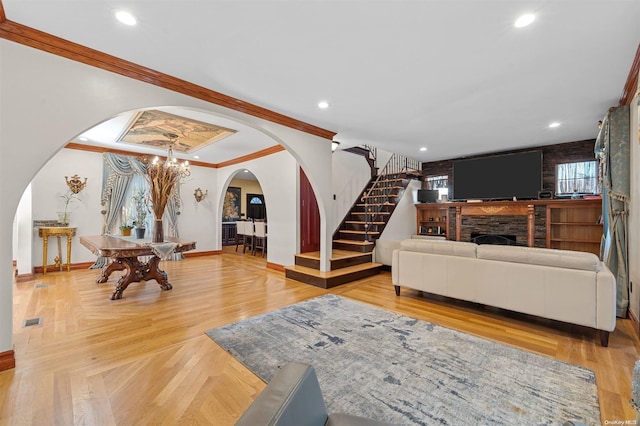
145 360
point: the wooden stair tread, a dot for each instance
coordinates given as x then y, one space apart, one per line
335 254
354 242
351 231
335 273
371 213
363 222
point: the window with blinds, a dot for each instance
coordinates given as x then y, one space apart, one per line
580 177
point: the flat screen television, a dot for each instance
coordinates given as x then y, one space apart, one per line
428 195
498 177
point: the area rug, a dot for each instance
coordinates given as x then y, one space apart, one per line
400 370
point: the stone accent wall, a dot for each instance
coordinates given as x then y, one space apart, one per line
508 225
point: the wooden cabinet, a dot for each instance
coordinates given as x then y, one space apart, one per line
432 219
568 224
575 225
228 233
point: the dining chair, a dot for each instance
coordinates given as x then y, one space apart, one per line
240 234
260 238
248 237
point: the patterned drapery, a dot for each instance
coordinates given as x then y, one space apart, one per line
613 149
117 176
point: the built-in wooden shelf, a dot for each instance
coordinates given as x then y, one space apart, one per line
570 224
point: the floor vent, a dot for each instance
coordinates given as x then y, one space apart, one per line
32 321
41 285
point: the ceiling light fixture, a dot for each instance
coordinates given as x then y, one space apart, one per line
424 148
524 20
554 125
83 139
126 18
323 104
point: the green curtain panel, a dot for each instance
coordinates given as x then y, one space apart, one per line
613 150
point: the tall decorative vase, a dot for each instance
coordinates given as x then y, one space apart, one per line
158 231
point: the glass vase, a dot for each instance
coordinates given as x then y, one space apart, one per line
158 231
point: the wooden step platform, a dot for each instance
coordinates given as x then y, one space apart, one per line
346 266
353 245
339 259
332 278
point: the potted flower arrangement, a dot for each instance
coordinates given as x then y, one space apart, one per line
65 214
125 225
141 206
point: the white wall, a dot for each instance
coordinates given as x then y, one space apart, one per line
47 100
351 173
49 185
277 176
402 224
634 216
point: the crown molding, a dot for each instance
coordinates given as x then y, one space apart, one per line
58 46
252 156
631 85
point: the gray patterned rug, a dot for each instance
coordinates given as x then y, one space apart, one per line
397 369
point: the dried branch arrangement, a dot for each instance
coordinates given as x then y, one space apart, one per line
163 178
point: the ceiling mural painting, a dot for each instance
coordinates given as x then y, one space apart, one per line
158 129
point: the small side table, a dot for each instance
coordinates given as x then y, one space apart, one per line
56 231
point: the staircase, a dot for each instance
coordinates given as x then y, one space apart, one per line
354 240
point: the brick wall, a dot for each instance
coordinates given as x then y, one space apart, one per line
551 155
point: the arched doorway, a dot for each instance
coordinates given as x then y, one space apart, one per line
243 200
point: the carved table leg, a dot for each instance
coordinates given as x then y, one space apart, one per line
116 265
139 271
153 272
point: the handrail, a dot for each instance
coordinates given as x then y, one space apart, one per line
383 185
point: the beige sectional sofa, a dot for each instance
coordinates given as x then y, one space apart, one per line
569 286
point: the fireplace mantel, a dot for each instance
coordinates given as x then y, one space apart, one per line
497 208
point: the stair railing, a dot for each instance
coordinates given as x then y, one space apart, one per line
396 168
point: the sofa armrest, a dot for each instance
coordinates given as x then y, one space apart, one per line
394 267
292 397
605 299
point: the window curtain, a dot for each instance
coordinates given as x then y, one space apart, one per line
171 212
117 176
613 150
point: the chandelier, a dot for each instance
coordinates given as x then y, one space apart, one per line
164 176
171 163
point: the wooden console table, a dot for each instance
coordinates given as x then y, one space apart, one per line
56 231
124 254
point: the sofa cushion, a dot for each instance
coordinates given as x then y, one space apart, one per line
540 256
439 246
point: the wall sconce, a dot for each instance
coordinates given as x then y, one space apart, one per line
199 195
334 145
76 184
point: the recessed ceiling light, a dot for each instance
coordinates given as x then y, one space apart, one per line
83 139
126 18
196 156
246 171
524 20
554 124
424 148
323 104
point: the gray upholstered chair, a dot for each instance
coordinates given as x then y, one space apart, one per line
293 398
